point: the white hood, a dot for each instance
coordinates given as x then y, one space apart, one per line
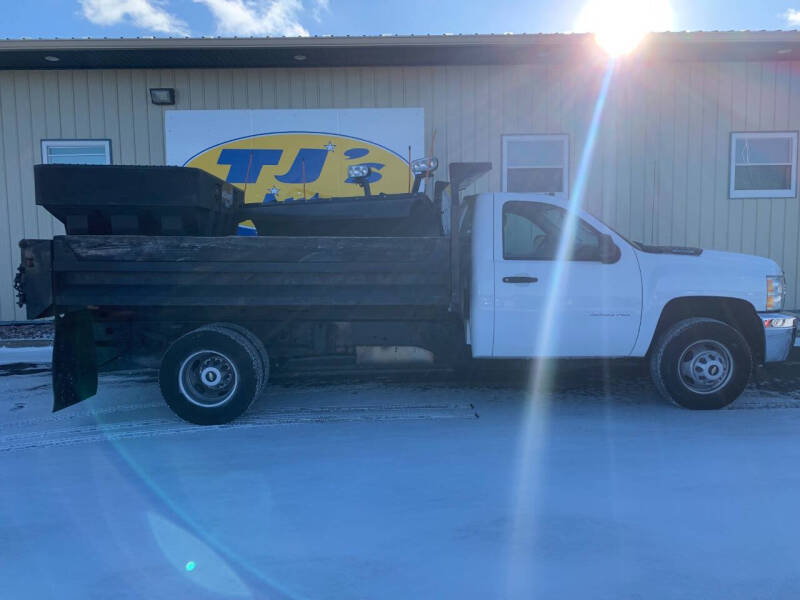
711 273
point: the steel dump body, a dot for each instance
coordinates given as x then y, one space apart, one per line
264 272
149 238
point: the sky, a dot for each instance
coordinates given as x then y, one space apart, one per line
131 18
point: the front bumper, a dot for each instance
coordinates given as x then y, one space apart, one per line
779 335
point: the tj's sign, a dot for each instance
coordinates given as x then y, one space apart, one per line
279 155
285 166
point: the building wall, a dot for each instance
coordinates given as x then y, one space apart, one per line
658 173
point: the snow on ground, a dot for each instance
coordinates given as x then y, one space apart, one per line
33 354
401 488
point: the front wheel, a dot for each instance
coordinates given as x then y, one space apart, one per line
701 364
210 375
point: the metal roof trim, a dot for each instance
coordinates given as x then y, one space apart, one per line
383 50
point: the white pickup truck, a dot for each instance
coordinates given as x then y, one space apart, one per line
149 269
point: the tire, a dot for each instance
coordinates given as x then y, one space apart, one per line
257 344
195 361
701 364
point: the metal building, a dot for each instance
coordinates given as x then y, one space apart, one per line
696 144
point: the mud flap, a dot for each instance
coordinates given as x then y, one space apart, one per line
74 363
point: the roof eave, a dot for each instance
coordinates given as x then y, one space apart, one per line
383 50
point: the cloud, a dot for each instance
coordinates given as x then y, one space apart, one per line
257 18
147 14
320 6
792 16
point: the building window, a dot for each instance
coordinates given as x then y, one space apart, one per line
536 163
763 165
83 152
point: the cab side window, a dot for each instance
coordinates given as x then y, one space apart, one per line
587 241
532 231
522 237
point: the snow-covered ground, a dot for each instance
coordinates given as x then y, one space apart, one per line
25 354
400 489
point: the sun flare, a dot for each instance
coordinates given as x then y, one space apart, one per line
619 25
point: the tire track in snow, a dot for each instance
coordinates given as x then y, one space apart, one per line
99 432
79 414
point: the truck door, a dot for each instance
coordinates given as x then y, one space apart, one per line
592 308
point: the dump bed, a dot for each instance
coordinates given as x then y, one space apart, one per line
269 272
175 260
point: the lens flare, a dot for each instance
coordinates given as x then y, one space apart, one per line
534 429
619 25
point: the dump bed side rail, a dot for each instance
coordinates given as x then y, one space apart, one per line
270 272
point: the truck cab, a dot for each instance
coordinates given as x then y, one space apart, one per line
533 304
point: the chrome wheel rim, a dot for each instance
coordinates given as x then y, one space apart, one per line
208 378
705 367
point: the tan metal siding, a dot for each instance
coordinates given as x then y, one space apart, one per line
660 165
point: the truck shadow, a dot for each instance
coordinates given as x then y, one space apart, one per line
620 378
560 375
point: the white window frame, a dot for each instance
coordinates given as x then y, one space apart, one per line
53 143
538 137
790 193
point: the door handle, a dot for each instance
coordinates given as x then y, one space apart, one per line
520 279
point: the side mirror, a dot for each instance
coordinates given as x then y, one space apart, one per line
609 251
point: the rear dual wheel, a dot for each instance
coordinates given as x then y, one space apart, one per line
213 374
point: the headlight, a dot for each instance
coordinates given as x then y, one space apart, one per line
358 171
424 165
776 292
